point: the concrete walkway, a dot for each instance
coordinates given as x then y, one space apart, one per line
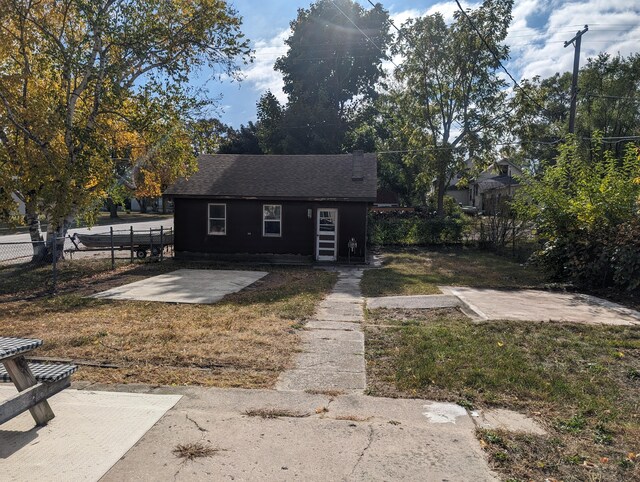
332 356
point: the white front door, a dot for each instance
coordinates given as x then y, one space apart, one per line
327 235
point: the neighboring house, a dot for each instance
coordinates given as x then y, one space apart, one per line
489 188
153 205
311 206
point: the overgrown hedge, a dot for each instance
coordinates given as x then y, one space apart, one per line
587 208
414 228
606 257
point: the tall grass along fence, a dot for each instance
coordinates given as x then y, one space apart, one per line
401 228
501 233
130 244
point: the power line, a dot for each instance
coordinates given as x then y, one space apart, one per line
363 33
390 21
497 58
633 99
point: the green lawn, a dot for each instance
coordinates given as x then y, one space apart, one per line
415 271
580 382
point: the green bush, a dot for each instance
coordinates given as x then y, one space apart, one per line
588 210
414 228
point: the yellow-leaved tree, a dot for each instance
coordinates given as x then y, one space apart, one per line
77 75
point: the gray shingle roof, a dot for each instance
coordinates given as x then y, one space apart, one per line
281 177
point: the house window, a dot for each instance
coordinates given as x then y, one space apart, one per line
272 220
218 219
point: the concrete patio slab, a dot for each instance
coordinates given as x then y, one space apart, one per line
536 305
349 437
414 302
202 286
90 432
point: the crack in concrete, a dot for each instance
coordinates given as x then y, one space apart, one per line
202 429
361 456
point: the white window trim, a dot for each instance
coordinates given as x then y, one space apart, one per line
270 235
209 218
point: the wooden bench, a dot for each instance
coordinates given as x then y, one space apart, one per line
35 382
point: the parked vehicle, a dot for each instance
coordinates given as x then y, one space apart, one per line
471 210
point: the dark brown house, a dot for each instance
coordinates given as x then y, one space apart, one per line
311 206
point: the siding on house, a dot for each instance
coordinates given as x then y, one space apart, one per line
244 227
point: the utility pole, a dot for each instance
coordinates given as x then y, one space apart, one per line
574 82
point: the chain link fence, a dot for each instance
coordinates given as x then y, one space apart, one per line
122 244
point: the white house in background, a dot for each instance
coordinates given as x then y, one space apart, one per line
489 188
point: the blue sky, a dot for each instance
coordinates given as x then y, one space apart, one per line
536 37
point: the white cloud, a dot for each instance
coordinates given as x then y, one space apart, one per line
260 74
614 27
447 9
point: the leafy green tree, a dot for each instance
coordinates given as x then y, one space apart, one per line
206 135
448 99
241 141
71 69
270 128
408 175
610 99
540 131
334 61
608 102
585 206
335 53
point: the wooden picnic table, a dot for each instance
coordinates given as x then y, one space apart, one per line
35 381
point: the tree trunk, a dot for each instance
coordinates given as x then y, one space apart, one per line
440 194
59 235
113 208
442 185
143 205
35 232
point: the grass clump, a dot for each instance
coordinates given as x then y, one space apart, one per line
192 451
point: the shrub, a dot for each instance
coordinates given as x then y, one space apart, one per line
588 211
415 228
